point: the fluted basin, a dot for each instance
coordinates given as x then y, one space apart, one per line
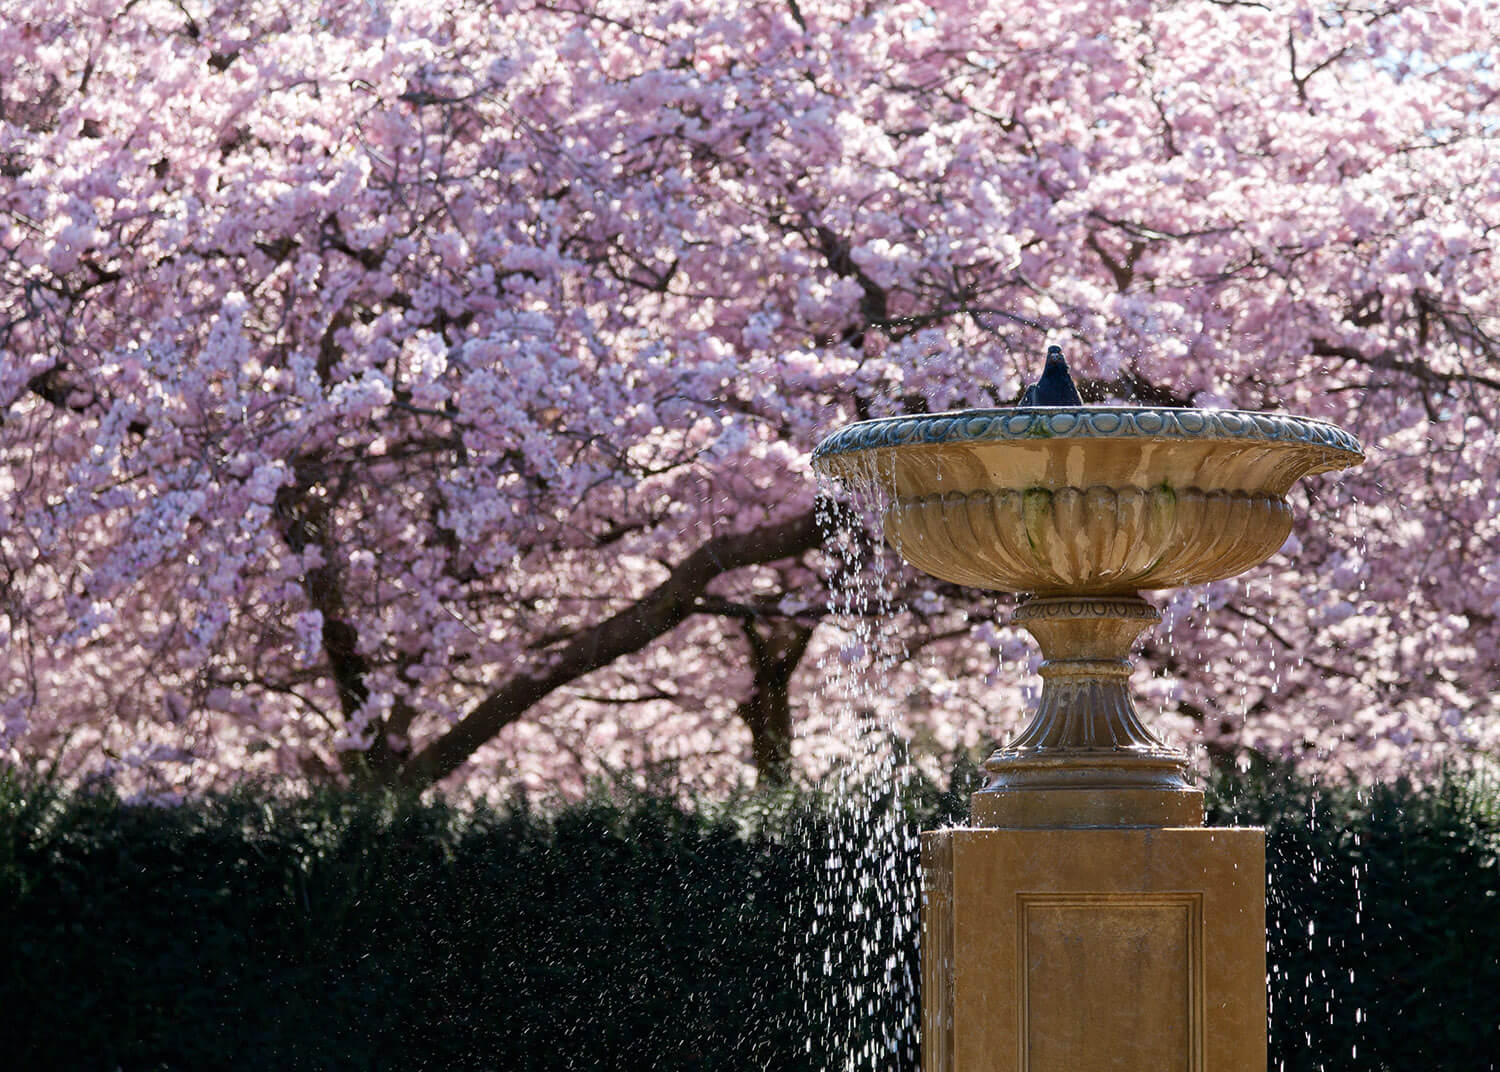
1083 507
1086 500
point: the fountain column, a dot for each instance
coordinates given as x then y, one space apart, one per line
1087 920
1087 759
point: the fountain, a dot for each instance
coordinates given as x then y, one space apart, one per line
1087 919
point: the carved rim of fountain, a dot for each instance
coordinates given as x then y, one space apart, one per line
1088 422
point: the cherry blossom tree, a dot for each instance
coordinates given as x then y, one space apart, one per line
407 391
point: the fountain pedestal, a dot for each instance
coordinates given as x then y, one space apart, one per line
1084 950
1089 922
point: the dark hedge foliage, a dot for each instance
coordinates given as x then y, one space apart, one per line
345 932
1383 920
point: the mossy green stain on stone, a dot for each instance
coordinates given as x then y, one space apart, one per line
1036 508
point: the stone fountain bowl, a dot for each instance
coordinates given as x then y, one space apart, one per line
1086 500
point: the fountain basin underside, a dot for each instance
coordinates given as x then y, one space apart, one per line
1098 539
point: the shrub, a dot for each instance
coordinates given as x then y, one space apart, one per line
349 932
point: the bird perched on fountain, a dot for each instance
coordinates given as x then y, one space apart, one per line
1055 388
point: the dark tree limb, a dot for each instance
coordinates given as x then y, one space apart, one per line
653 615
874 303
1388 361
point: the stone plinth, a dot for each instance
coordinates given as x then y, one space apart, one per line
1127 950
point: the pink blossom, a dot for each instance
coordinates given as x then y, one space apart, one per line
358 360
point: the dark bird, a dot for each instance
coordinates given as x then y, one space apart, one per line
1055 388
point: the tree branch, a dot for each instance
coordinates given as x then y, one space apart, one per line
1387 361
630 630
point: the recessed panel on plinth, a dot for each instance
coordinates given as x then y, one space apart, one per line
1094 950
1077 952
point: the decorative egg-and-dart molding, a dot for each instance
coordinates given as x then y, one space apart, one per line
1083 507
1123 422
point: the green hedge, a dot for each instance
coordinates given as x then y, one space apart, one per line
340 932
1383 920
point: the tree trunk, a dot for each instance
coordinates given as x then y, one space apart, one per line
776 648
